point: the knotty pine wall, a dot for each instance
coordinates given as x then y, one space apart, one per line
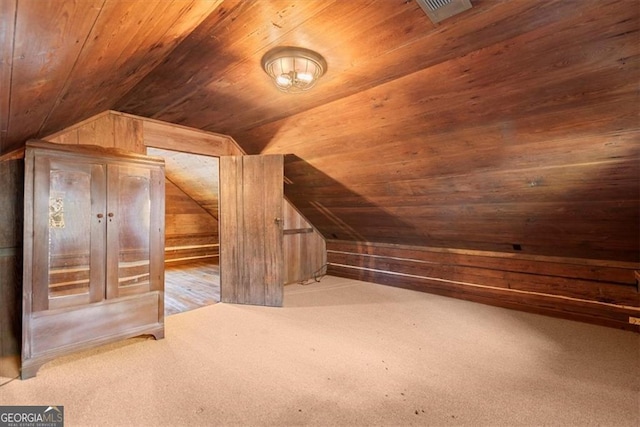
595 291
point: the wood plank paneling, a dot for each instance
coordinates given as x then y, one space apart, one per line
7 26
194 174
180 138
168 88
70 134
11 205
11 194
511 125
271 178
552 286
191 232
251 256
304 248
191 225
231 244
530 141
184 254
128 133
251 229
190 286
127 41
485 153
96 132
43 58
133 133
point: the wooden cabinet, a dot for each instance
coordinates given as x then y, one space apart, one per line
93 249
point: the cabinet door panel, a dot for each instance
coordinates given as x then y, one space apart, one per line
130 217
69 267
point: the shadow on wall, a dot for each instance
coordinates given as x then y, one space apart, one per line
575 209
318 187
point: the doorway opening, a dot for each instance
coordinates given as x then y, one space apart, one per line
192 267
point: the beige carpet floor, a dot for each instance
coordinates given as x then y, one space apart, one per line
345 353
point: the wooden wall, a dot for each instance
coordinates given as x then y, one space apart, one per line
11 206
305 251
511 129
106 130
133 133
190 232
596 291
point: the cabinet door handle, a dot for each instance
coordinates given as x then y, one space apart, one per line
100 215
110 214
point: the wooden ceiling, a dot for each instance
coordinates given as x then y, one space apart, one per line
514 124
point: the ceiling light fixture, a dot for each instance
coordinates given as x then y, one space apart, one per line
294 69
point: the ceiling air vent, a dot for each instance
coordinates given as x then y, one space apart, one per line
439 10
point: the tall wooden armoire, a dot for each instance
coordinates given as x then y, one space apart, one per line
93 249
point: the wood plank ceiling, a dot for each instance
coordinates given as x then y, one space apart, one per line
514 124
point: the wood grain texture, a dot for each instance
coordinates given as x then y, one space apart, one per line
272 219
11 191
190 231
230 229
7 26
267 20
514 124
113 215
196 175
135 134
180 138
254 230
127 40
251 252
49 37
10 319
190 286
70 133
557 287
59 329
128 133
11 206
304 248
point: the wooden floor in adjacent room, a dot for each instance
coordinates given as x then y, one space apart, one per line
190 286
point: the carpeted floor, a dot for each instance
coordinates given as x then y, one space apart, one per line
343 352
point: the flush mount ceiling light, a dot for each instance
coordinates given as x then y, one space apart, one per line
294 69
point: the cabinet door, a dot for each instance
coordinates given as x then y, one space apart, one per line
251 255
135 217
69 232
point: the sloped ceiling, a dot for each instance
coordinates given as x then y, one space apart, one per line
193 174
512 125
